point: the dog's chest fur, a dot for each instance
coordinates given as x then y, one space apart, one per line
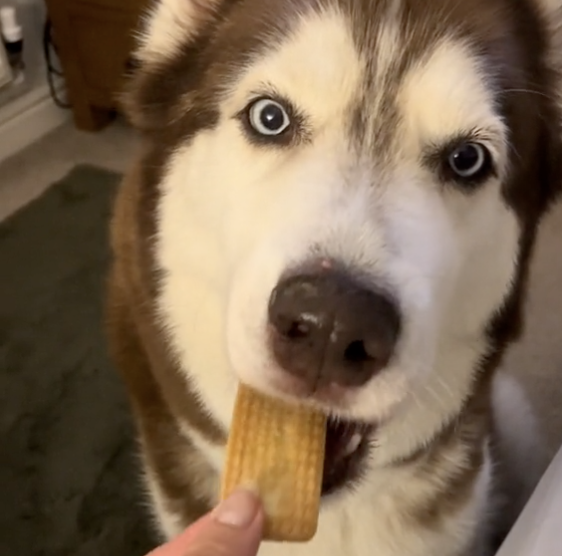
375 521
377 527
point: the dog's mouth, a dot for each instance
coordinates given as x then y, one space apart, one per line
347 447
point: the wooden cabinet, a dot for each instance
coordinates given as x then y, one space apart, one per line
94 39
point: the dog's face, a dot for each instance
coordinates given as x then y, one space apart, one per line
346 193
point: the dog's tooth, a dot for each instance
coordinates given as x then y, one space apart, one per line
353 444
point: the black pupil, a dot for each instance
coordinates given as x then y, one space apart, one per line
272 117
466 158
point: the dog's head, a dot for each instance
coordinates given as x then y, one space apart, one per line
343 194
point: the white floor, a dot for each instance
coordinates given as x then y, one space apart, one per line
537 359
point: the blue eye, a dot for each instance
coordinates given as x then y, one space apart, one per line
268 117
470 161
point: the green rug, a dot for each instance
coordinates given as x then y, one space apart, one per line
68 476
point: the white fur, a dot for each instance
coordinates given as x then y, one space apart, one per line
226 231
167 522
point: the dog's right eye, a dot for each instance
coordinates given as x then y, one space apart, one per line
470 161
268 117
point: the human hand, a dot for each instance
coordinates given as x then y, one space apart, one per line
234 528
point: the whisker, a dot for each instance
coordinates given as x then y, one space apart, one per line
528 91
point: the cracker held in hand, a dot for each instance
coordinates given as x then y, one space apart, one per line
278 448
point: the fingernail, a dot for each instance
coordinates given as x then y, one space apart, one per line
238 510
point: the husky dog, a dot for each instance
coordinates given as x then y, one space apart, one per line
336 201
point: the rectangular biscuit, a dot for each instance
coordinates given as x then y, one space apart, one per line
278 448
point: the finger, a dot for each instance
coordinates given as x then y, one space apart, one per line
232 529
176 546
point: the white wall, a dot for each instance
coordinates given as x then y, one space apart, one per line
27 111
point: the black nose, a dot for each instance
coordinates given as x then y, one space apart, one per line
328 328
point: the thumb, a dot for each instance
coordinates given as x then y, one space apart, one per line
234 528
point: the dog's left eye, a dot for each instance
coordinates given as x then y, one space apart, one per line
470 161
268 117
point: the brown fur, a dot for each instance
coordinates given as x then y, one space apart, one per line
160 398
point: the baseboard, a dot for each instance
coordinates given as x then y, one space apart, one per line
28 119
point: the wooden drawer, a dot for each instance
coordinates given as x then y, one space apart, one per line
94 40
103 41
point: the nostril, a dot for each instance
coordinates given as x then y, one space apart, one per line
297 330
370 353
357 353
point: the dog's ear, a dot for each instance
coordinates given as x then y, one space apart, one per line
169 38
170 24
